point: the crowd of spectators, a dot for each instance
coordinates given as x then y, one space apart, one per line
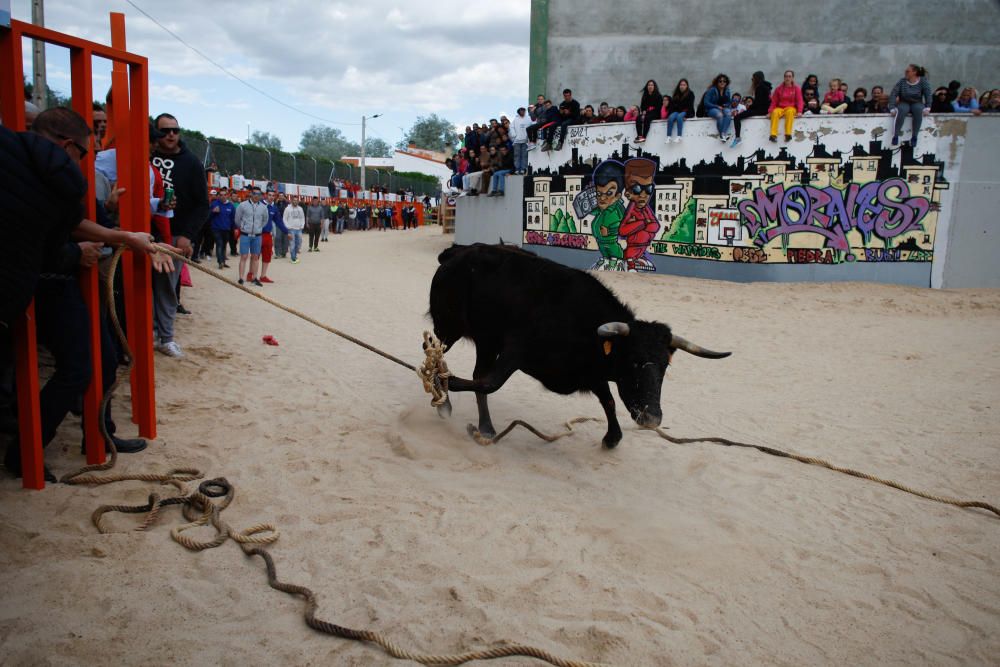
492 150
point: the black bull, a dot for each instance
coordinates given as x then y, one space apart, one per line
559 325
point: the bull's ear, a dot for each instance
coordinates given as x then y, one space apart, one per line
612 329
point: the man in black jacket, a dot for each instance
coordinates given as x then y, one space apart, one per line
43 192
569 114
185 175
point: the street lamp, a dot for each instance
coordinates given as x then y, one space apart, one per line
363 120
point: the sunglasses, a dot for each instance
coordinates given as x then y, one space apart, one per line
170 130
82 149
639 189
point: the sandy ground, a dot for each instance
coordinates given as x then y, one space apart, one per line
651 554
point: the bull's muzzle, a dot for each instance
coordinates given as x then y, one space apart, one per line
648 417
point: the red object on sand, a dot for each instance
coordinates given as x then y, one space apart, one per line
270 340
186 276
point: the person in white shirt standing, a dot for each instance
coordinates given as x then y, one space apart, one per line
295 220
519 131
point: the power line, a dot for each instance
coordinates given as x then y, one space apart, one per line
228 73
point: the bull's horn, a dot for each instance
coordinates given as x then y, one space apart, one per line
612 329
697 350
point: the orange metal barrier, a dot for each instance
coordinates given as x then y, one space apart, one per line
130 104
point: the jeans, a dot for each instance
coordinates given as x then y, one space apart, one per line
294 242
738 118
339 229
723 117
498 179
221 241
280 242
904 109
676 118
520 157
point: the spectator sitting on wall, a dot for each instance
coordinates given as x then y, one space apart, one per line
811 107
536 109
786 102
631 114
811 83
546 125
620 114
879 101
589 117
606 113
834 101
954 87
911 96
736 104
992 105
858 105
844 88
682 108
648 110
755 106
940 103
505 165
664 107
569 114
967 102
717 100
808 95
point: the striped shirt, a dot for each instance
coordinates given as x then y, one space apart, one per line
910 93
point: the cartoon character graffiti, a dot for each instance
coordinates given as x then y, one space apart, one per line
639 226
605 197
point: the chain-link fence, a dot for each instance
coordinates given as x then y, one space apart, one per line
258 163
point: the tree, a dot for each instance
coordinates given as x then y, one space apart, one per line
375 147
322 141
432 133
265 140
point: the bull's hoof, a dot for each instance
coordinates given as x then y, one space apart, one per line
444 410
611 441
480 438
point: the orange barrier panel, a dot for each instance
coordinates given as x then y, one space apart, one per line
132 144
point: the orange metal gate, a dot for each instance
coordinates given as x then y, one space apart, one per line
128 122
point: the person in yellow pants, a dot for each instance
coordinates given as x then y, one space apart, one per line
786 102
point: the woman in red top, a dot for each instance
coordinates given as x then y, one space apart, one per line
786 101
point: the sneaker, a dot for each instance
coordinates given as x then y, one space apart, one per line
265 279
225 266
294 261
258 283
532 147
736 142
895 140
182 310
773 138
678 139
723 138
129 445
240 281
640 140
171 349
221 266
788 138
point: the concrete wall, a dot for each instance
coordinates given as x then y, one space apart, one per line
485 219
802 211
606 50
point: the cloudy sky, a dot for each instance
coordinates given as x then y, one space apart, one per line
466 60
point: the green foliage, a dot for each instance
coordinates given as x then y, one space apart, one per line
265 140
432 133
327 142
416 176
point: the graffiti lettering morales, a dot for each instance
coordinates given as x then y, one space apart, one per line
578 241
883 208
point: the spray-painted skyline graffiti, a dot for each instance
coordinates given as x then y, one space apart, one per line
868 203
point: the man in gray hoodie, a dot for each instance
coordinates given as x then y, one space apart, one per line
314 223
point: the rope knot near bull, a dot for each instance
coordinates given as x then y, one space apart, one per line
434 371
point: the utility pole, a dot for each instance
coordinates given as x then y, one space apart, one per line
363 119
39 94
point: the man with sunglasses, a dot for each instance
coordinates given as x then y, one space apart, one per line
639 226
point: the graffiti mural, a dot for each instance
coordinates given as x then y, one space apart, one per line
827 198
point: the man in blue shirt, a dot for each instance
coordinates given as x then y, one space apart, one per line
222 223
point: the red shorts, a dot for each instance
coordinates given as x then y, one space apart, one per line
266 247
